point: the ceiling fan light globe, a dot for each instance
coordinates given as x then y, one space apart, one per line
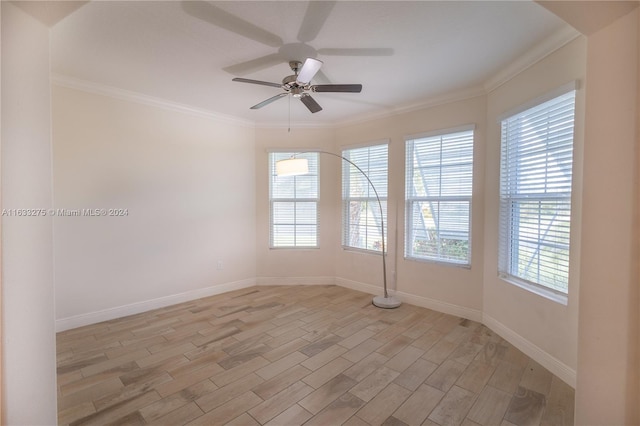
308 71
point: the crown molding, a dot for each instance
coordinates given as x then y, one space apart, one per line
447 98
537 53
130 96
540 51
543 49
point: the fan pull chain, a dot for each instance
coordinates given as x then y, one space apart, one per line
289 130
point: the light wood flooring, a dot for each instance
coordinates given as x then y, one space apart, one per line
290 355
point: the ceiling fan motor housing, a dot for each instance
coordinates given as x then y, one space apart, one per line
290 82
295 66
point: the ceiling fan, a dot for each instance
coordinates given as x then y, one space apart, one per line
299 84
316 14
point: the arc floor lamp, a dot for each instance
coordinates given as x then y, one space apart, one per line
299 166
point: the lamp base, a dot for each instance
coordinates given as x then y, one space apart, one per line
386 302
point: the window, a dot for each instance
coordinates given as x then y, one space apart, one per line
294 204
535 194
439 180
360 210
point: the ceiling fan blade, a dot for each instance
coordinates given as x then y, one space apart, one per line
268 101
216 16
244 68
363 51
348 88
263 83
314 18
310 103
308 71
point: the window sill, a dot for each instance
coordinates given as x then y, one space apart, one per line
295 248
562 299
365 251
439 262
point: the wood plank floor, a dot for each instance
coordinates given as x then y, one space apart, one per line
314 355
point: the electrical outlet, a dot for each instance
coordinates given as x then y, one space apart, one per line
219 265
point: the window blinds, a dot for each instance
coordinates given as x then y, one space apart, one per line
439 180
293 204
535 194
360 209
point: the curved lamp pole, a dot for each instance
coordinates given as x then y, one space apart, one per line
300 166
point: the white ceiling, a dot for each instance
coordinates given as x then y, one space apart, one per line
186 53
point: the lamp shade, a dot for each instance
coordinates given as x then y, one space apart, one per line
292 167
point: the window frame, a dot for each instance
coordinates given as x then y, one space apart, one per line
371 198
508 198
411 199
272 160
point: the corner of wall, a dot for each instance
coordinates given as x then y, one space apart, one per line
28 345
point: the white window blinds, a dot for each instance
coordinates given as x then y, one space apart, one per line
439 181
293 204
360 210
535 194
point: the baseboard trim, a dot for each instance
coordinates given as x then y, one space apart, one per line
148 305
264 281
412 299
554 365
440 306
359 286
551 363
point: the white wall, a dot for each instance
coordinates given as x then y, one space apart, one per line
607 382
28 335
453 289
299 266
448 288
542 324
188 184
